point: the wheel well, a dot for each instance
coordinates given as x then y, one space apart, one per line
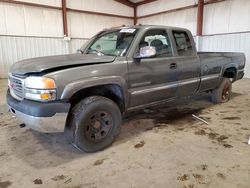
230 73
111 91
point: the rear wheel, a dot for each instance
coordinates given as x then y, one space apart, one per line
94 123
223 92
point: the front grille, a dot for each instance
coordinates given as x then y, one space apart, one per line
16 87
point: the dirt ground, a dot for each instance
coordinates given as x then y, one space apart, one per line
158 147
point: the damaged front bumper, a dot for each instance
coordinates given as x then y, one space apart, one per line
42 117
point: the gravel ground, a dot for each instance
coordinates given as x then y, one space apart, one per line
158 147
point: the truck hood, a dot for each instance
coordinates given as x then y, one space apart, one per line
53 63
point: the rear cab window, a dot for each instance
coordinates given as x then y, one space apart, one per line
183 43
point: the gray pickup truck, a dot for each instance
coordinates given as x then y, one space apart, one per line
118 70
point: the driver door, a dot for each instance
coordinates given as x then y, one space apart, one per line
156 78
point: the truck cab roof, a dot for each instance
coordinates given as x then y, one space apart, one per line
150 27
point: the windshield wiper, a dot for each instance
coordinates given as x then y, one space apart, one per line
79 51
110 54
100 53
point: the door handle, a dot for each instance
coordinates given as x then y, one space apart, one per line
173 66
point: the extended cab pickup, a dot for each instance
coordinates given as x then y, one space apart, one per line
118 70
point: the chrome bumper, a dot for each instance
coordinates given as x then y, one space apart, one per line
55 123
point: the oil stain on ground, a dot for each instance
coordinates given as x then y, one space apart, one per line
99 162
184 177
222 138
199 177
227 145
140 144
177 114
5 184
220 175
38 181
215 137
166 115
204 167
232 118
58 178
200 132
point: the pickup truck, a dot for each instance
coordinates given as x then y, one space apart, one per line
119 70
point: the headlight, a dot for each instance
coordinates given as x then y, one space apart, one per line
40 88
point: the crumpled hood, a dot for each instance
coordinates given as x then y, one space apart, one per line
40 64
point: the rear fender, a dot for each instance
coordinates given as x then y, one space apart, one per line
227 66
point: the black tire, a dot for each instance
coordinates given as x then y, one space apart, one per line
93 123
223 93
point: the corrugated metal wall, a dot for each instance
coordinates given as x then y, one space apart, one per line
105 6
185 18
30 21
228 43
13 49
163 5
227 17
226 25
27 32
85 25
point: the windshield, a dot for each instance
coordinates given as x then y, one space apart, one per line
115 43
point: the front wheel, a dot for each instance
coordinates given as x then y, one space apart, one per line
223 93
94 123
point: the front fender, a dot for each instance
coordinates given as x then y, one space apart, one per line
78 85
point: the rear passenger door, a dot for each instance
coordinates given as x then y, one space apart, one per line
189 62
156 78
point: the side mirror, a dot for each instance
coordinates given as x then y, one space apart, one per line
146 52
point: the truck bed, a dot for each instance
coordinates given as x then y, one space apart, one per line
214 64
223 57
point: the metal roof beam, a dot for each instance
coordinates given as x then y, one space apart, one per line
145 2
127 3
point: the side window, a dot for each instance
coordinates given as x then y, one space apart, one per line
159 39
183 43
